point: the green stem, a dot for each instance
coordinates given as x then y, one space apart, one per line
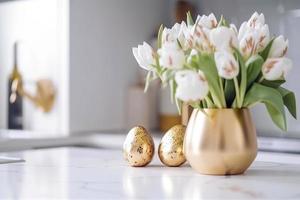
209 102
204 103
201 104
242 99
222 91
216 100
234 104
237 92
261 79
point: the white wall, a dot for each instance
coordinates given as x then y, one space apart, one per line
41 26
102 33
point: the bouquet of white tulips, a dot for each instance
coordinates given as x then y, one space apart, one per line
211 64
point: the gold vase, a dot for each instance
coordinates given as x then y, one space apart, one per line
220 141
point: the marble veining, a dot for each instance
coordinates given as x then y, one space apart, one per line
85 173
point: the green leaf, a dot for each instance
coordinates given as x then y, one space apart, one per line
273 84
264 53
229 92
159 36
167 75
178 105
253 66
189 19
272 100
289 100
148 80
207 65
278 118
208 101
193 63
243 74
223 22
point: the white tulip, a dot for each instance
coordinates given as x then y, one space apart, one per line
242 31
223 38
170 34
170 56
276 68
263 37
279 47
189 36
256 20
175 34
248 43
181 36
253 35
144 55
233 27
200 37
208 22
253 40
191 86
227 66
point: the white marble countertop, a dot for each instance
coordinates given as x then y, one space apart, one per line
86 173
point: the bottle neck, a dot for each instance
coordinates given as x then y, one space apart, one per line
15 72
16 56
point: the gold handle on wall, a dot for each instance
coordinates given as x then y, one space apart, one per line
44 97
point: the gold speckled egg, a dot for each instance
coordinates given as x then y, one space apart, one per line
170 150
138 148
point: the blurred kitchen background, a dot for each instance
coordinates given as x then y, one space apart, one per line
78 54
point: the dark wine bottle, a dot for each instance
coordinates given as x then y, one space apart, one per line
15 101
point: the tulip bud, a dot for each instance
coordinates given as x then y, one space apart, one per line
253 35
242 31
256 20
279 47
171 56
170 34
191 86
175 34
181 36
189 36
276 68
144 55
233 27
223 38
208 22
247 43
200 37
227 66
253 40
263 38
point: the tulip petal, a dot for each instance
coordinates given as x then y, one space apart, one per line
276 68
191 86
227 66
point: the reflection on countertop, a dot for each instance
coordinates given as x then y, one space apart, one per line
82 173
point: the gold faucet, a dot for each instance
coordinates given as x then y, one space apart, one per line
44 97
45 90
